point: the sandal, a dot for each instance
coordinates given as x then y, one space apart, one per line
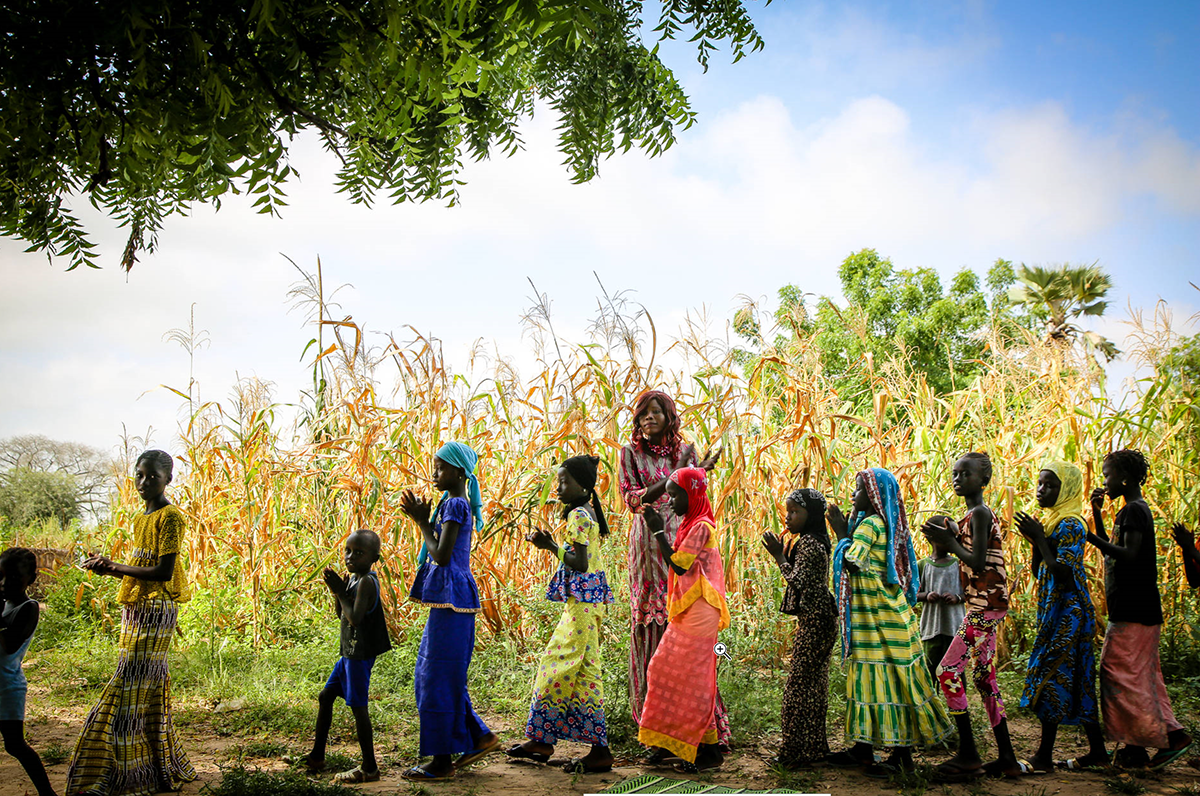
467 758
880 771
577 765
418 774
656 757
520 752
1081 764
1165 757
356 776
951 772
295 761
845 759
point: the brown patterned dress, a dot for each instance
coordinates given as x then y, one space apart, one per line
806 695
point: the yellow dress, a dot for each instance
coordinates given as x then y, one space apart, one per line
128 745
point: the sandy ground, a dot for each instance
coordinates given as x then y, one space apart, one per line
495 774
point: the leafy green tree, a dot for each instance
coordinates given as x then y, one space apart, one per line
146 107
90 470
904 314
28 496
1057 296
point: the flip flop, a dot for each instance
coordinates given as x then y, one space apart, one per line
520 752
303 760
467 758
576 765
1078 764
418 774
356 776
1165 757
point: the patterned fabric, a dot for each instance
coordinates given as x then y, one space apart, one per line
899 556
568 692
891 699
451 586
156 534
696 552
974 644
585 587
1060 684
449 723
128 744
681 693
806 694
647 570
986 590
1133 698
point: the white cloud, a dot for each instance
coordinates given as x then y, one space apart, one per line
745 203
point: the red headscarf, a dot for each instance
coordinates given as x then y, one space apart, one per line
694 481
670 438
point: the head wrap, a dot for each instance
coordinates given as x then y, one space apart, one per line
694 481
464 457
584 469
671 438
814 502
884 492
1070 497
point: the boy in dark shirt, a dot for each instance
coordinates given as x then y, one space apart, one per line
364 636
1133 698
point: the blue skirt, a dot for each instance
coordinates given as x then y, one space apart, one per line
449 725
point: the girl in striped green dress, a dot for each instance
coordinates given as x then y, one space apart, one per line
891 699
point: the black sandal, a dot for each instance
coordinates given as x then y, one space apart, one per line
520 752
576 765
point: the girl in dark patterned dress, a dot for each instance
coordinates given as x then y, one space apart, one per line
1060 685
804 562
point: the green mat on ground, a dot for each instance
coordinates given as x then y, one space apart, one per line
652 783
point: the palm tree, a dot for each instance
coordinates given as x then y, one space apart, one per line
1057 295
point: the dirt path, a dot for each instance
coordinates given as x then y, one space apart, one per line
495 774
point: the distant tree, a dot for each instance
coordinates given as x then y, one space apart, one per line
146 107
905 314
1059 295
28 496
90 470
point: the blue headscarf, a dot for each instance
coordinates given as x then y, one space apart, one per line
463 457
884 491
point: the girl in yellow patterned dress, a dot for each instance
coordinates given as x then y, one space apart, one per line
568 693
128 744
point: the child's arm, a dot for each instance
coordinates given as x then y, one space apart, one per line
364 600
655 523
841 529
1191 555
13 636
1131 536
440 548
103 565
1097 502
336 584
947 537
1043 553
575 556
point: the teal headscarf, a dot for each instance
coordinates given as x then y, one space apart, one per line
464 457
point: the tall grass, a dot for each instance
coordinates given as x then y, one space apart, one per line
270 506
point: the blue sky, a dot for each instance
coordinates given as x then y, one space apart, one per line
943 135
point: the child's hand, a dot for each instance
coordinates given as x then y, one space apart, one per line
415 508
773 544
334 581
837 521
710 459
99 564
1097 499
1030 528
1183 537
654 520
934 597
940 535
541 539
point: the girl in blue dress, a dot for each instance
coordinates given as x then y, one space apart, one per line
1060 685
449 724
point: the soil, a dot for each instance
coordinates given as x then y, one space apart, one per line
745 767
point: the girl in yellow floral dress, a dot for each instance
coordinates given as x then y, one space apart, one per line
568 693
128 744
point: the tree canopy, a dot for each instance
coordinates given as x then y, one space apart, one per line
146 107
